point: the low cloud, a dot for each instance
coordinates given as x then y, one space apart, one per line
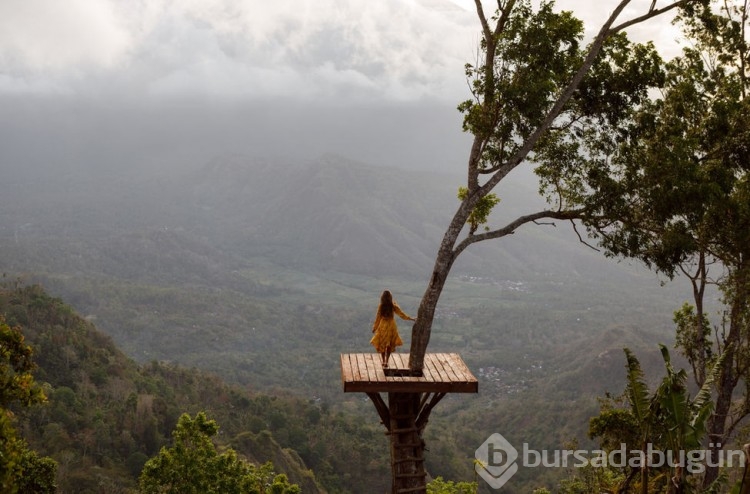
45 36
391 49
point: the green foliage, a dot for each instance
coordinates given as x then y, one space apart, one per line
678 178
21 470
193 465
39 474
536 53
691 332
591 479
440 486
684 417
102 431
481 210
17 383
637 393
673 192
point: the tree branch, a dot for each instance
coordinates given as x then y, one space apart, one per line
651 13
511 227
580 239
483 19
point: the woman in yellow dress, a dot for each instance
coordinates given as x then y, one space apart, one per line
386 337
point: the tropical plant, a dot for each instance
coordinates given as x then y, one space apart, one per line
668 421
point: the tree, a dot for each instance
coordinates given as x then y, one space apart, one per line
21 470
193 465
677 196
539 96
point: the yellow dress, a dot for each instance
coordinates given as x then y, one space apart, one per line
386 333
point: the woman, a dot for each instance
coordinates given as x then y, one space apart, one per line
386 337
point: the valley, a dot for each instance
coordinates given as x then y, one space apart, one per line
262 272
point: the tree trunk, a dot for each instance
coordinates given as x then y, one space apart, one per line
407 446
420 333
718 421
728 378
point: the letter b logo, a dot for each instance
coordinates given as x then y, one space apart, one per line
496 460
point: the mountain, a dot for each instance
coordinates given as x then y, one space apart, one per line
334 214
329 214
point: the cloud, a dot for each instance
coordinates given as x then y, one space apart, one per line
393 49
50 35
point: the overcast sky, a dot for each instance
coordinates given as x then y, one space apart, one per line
154 81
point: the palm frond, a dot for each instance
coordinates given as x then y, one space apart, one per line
636 389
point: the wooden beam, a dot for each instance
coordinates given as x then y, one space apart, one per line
382 408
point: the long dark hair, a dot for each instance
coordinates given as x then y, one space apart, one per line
386 304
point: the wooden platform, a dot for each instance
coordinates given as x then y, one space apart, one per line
442 373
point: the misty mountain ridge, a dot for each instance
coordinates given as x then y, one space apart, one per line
336 214
330 213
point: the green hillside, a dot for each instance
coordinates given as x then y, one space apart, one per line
106 415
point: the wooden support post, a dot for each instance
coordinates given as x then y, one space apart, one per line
407 446
382 408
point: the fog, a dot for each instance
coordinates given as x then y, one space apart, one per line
155 85
45 133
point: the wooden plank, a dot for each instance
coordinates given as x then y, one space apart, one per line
353 359
460 366
429 366
362 367
470 382
445 366
399 362
447 359
447 362
372 366
372 369
346 369
437 368
427 374
352 375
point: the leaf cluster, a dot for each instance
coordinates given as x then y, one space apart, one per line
479 215
537 52
677 181
21 469
192 464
